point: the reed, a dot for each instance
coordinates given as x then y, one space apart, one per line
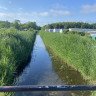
15 48
77 51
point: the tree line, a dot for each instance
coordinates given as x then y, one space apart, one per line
19 26
67 25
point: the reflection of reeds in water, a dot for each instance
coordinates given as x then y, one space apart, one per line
78 51
67 73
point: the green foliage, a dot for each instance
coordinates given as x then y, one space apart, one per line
85 25
77 51
31 25
17 25
5 24
15 47
67 25
76 32
66 31
81 33
72 32
31 29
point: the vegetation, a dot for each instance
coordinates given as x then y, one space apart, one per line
19 26
76 50
75 32
68 74
67 25
15 48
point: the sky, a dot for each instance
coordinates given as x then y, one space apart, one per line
48 11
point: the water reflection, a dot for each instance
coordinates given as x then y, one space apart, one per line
46 69
39 72
68 74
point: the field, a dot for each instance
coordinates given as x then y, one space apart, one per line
15 48
77 51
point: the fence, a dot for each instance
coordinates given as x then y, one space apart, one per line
47 88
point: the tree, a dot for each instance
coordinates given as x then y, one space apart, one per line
17 24
85 25
4 24
31 25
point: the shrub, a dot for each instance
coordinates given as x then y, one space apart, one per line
76 51
15 48
65 31
72 32
81 33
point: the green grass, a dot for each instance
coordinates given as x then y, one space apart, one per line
77 51
15 48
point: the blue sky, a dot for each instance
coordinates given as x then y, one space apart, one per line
48 11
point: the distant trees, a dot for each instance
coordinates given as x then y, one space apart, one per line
67 25
85 25
94 25
19 26
31 25
4 24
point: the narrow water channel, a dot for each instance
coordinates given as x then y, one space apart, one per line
46 69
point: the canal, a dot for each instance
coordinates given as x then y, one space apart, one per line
45 68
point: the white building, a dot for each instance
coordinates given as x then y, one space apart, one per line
51 30
93 34
47 30
56 30
83 30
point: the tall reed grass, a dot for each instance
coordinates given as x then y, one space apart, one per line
77 51
15 47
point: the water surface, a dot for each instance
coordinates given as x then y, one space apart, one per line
46 69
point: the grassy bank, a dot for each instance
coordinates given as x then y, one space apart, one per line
15 48
68 74
76 51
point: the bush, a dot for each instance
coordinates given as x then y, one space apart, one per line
31 29
81 33
15 48
76 51
65 31
72 32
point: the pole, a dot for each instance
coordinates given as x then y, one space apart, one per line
47 88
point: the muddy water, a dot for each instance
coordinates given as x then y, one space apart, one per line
45 68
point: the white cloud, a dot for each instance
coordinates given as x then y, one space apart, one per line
23 17
4 8
4 15
49 13
33 16
86 9
53 13
58 6
44 14
10 15
36 14
59 12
